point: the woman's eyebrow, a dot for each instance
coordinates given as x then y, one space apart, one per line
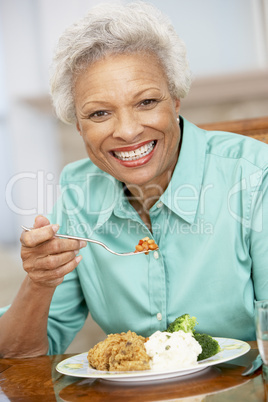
102 102
143 91
136 95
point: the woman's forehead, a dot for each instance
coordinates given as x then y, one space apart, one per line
122 59
122 69
119 63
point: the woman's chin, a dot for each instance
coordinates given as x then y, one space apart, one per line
141 179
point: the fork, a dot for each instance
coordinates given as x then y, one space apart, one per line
94 241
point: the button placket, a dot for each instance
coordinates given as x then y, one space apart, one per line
156 255
159 316
157 271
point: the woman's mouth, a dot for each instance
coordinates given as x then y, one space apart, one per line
135 154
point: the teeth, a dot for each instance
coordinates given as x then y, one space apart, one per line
137 153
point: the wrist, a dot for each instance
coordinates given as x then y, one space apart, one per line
38 288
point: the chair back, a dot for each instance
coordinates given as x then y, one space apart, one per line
255 128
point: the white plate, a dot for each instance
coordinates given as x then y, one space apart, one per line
77 366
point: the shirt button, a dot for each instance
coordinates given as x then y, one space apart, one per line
160 204
159 316
156 255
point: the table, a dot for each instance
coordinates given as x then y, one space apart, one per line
36 379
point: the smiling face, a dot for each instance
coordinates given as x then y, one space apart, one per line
128 119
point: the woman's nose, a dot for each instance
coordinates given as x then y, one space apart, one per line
127 126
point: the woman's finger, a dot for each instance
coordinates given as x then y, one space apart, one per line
41 221
57 246
53 261
38 236
54 277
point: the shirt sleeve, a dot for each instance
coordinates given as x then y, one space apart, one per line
68 309
259 239
67 314
3 310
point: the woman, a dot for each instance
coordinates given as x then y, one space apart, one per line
119 75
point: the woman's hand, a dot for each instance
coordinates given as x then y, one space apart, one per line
47 259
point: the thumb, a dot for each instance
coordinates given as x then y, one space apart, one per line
41 221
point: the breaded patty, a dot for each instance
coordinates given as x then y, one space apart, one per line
120 352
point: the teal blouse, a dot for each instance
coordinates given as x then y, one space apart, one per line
211 225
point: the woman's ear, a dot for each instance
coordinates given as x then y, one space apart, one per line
78 128
177 106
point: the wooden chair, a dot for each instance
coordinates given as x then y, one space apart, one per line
255 128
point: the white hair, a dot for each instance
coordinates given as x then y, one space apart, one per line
116 29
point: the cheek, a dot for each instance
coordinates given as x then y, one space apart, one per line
168 125
92 147
92 138
93 150
164 119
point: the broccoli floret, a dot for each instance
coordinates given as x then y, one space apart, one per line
184 323
210 346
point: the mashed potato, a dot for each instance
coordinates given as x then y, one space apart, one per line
172 350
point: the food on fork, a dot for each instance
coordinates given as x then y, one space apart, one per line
120 352
146 244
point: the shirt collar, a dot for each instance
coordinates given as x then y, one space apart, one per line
119 205
114 191
183 192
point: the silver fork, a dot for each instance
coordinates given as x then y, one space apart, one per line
94 241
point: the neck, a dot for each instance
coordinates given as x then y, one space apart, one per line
142 198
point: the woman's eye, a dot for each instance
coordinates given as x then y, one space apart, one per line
98 115
148 102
